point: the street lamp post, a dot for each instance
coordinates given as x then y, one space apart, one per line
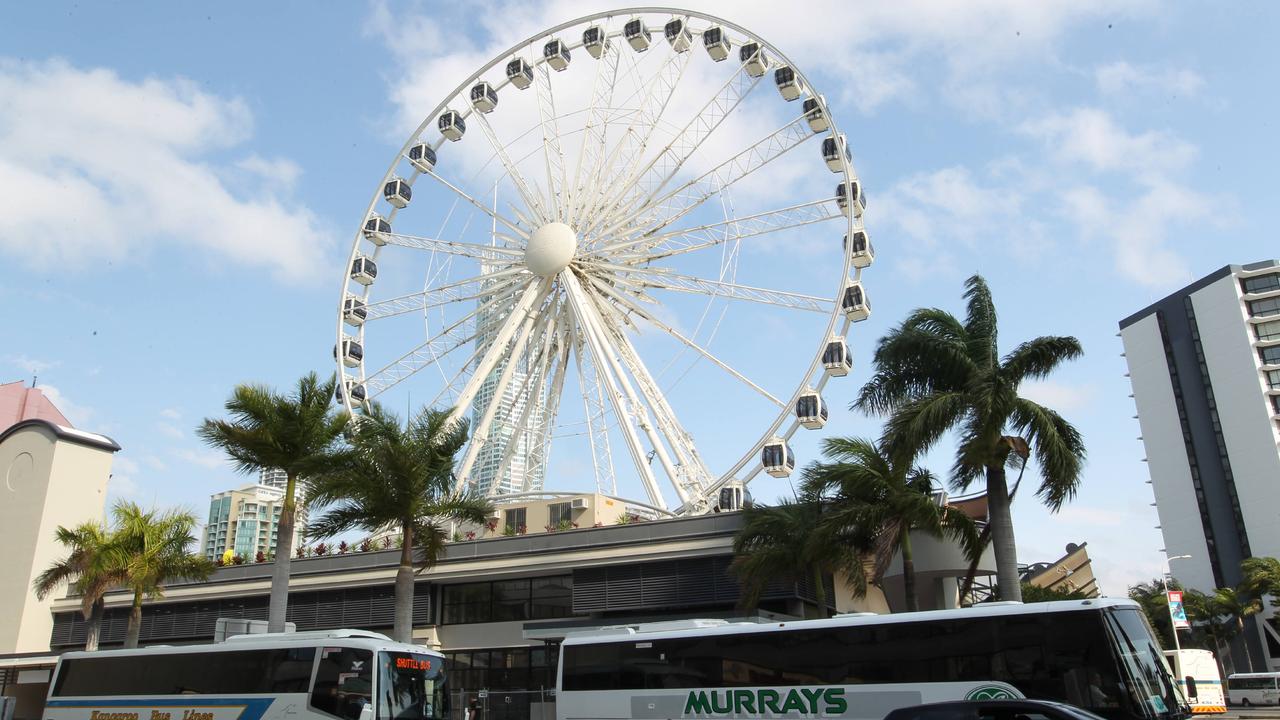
1177 646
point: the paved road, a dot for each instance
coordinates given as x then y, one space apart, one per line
1236 713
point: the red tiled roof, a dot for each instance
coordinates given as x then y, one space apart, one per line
19 402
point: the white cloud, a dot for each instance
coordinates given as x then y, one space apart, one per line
78 414
1090 136
204 458
169 430
101 168
1124 80
154 462
1062 397
871 60
29 364
171 413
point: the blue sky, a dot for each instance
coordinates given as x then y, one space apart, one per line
179 188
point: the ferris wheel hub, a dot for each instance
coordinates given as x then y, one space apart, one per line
550 249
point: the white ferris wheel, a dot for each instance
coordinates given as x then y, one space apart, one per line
635 239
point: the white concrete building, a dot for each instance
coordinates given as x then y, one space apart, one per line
1204 364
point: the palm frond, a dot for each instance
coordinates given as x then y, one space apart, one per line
1058 448
1039 357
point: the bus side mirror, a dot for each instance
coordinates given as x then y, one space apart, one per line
1191 687
366 712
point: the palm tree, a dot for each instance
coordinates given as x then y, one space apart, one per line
865 490
85 570
1236 604
403 477
935 374
294 433
149 548
789 541
1262 577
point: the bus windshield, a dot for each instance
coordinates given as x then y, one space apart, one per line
411 686
1142 662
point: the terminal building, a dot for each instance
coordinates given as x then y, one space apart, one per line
500 601
1204 364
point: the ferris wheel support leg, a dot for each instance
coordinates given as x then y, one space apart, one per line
581 313
597 427
480 434
691 475
649 414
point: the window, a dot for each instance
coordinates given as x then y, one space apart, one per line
552 597
517 518
1268 330
236 672
411 687
1275 404
1261 284
560 513
1265 308
344 682
1273 379
508 600
1270 355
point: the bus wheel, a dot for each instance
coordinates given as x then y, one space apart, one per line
1244 702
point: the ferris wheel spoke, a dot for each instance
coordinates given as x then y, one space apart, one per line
672 206
593 402
425 355
594 132
487 253
654 278
473 288
625 406
532 199
662 169
679 242
630 148
552 153
635 308
483 208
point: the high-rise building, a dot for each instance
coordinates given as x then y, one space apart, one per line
273 477
245 521
488 469
1204 363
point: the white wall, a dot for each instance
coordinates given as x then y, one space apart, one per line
66 486
1227 341
1166 453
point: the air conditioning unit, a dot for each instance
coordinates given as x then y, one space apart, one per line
578 504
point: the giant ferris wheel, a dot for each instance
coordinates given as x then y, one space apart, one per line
634 239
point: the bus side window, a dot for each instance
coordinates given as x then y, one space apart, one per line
1191 687
344 682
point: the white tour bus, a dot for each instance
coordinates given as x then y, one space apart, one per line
338 674
1253 688
1096 654
1196 672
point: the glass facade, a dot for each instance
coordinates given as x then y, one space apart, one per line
1264 308
1260 284
1268 330
508 600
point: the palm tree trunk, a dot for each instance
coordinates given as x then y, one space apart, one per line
966 587
93 624
278 609
820 591
908 570
403 630
135 621
1002 542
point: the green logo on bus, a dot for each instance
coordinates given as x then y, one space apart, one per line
990 692
805 701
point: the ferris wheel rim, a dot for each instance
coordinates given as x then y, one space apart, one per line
418 135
